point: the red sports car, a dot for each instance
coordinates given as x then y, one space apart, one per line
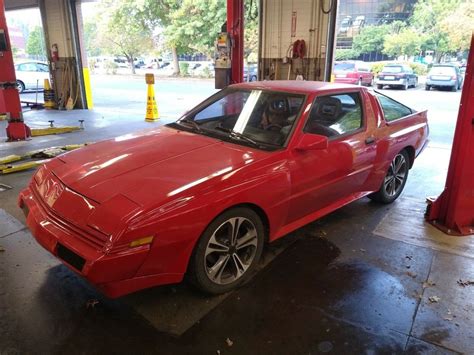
203 195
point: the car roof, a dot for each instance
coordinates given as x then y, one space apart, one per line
295 86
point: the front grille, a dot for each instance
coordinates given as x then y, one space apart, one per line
70 257
95 240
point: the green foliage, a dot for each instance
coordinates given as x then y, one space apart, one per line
194 26
90 39
110 67
377 67
345 54
35 43
418 68
427 19
122 29
371 39
184 68
459 26
408 42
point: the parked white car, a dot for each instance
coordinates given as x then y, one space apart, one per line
31 75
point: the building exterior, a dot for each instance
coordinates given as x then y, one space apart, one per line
353 15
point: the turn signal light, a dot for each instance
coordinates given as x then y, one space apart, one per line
141 241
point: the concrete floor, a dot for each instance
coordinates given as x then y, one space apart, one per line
347 283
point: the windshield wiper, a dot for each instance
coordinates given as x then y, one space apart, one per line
234 134
191 122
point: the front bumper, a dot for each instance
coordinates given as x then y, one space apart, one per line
100 268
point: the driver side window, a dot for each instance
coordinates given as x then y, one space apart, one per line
335 115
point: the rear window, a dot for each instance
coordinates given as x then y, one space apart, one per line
442 71
344 66
392 69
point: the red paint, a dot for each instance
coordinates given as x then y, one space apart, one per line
453 210
171 184
235 27
9 96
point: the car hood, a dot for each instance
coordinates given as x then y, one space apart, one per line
149 168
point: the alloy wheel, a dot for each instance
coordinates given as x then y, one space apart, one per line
396 175
231 250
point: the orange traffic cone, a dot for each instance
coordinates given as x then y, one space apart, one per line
152 114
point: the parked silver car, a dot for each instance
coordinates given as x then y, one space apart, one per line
444 76
31 75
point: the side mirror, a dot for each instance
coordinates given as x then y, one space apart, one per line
312 142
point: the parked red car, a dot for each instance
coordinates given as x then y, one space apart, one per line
353 72
202 196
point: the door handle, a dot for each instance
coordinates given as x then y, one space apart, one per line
370 140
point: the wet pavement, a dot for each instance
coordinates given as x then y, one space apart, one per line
343 284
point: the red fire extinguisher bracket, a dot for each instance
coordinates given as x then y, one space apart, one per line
453 210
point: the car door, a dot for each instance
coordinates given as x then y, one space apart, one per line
325 178
42 73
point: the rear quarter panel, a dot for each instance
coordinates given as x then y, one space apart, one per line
409 132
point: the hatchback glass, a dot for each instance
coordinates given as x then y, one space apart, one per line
392 69
442 71
344 66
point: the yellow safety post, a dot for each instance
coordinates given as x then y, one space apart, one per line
333 78
48 95
152 114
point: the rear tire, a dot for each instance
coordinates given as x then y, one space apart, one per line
228 251
427 87
395 179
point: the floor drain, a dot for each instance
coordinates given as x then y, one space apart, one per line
4 187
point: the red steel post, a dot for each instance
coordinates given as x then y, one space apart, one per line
9 96
235 27
453 210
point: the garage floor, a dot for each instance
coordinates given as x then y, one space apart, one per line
365 279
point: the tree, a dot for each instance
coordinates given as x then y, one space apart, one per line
427 19
459 26
371 39
123 31
345 54
251 29
35 44
408 42
90 39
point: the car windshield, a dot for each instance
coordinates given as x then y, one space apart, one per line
442 71
392 69
344 66
259 118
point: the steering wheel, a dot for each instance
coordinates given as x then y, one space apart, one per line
273 127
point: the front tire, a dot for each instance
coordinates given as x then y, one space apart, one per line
395 179
20 86
228 251
379 86
427 87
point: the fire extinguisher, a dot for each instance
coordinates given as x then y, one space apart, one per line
54 52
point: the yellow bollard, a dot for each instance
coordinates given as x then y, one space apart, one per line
152 114
48 95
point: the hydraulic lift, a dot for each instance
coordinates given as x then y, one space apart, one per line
453 210
9 95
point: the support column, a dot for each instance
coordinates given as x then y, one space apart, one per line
235 27
453 210
9 96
